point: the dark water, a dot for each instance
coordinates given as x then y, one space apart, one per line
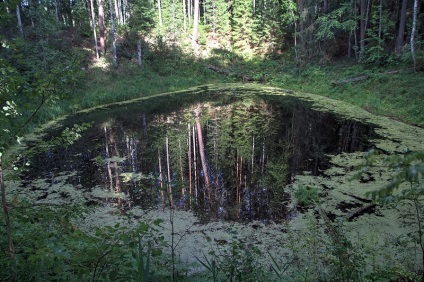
253 145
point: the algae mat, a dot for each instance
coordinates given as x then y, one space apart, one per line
339 196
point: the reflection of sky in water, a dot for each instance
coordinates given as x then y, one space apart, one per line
149 153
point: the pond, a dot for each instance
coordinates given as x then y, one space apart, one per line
225 153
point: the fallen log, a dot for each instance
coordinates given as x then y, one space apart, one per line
360 211
365 200
365 77
218 70
353 79
230 73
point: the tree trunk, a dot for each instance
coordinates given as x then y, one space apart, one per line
109 170
102 28
168 166
189 163
363 28
401 30
18 16
195 24
181 167
185 15
120 15
139 54
160 13
355 28
93 23
414 24
125 12
302 25
204 13
112 34
194 163
189 11
115 5
56 9
202 155
161 180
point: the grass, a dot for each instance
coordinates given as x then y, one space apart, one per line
398 96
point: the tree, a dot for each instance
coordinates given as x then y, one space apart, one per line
102 28
195 24
112 34
93 23
401 29
414 24
140 23
18 16
363 26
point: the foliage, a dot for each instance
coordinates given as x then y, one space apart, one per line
306 195
50 245
407 168
237 263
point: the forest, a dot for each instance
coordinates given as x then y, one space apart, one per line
60 58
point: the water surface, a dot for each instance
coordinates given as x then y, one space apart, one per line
226 153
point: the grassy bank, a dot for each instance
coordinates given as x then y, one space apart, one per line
396 95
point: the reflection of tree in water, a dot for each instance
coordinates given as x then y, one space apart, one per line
231 157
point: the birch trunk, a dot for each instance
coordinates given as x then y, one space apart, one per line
195 24
18 16
181 166
120 14
414 24
161 180
203 156
185 15
168 166
194 163
139 54
93 23
115 5
189 162
56 10
109 170
102 28
160 13
112 34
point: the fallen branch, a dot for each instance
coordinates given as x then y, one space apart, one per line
365 77
230 73
353 79
360 211
365 200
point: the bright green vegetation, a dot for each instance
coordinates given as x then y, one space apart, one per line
397 96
